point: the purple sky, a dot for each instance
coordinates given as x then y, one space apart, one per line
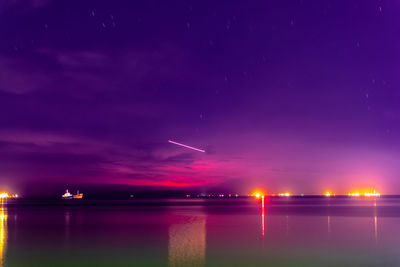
286 95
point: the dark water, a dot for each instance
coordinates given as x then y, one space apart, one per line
230 232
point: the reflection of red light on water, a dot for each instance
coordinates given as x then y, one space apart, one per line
262 217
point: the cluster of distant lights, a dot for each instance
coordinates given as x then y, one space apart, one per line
373 193
4 195
261 194
213 195
365 194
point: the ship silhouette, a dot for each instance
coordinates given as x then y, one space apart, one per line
68 195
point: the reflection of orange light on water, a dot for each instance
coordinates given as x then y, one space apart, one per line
3 231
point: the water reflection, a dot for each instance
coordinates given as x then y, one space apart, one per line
3 231
67 219
287 225
329 227
375 223
263 217
376 228
187 241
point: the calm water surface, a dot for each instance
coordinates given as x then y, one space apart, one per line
230 232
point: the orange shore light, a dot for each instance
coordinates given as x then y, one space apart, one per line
258 194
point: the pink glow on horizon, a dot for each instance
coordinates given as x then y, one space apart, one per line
203 165
174 183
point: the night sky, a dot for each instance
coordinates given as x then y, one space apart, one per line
299 96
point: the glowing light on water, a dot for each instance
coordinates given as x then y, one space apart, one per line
376 228
287 194
3 231
187 241
263 217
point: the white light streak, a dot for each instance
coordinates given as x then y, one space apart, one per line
190 147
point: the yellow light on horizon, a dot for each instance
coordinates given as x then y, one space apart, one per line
365 194
372 194
287 194
4 195
258 194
